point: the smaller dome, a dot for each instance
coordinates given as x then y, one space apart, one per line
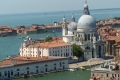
72 26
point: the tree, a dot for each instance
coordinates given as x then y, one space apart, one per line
48 38
77 51
42 25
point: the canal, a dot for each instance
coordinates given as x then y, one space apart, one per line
66 75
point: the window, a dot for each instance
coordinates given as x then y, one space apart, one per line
18 69
88 36
46 65
11 72
27 68
60 64
107 75
87 47
0 74
36 66
85 37
5 73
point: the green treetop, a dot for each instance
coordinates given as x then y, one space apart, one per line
48 38
77 51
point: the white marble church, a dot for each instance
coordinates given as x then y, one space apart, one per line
84 33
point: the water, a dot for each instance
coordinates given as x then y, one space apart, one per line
10 45
67 75
42 18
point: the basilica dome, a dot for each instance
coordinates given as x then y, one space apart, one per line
86 21
72 26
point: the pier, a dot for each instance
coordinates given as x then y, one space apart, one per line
87 63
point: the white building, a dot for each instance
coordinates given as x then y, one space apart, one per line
37 58
18 66
84 33
54 48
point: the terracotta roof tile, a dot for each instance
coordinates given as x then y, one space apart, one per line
57 42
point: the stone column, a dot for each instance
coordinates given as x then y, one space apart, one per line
96 51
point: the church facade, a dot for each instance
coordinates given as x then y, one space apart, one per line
84 33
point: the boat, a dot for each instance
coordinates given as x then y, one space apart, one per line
88 69
72 69
27 37
47 72
82 68
53 71
22 37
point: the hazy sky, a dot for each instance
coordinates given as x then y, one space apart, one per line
25 6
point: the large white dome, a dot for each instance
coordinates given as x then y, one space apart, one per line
86 21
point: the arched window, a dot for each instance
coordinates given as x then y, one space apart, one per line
88 36
87 47
85 37
66 55
55 54
60 64
27 68
0 74
46 65
18 69
11 72
5 73
36 66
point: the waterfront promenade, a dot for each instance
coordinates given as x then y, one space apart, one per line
88 63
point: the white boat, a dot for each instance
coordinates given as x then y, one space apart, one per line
88 69
72 69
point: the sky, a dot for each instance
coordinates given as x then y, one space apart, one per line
31 6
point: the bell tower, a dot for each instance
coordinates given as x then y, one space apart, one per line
64 28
